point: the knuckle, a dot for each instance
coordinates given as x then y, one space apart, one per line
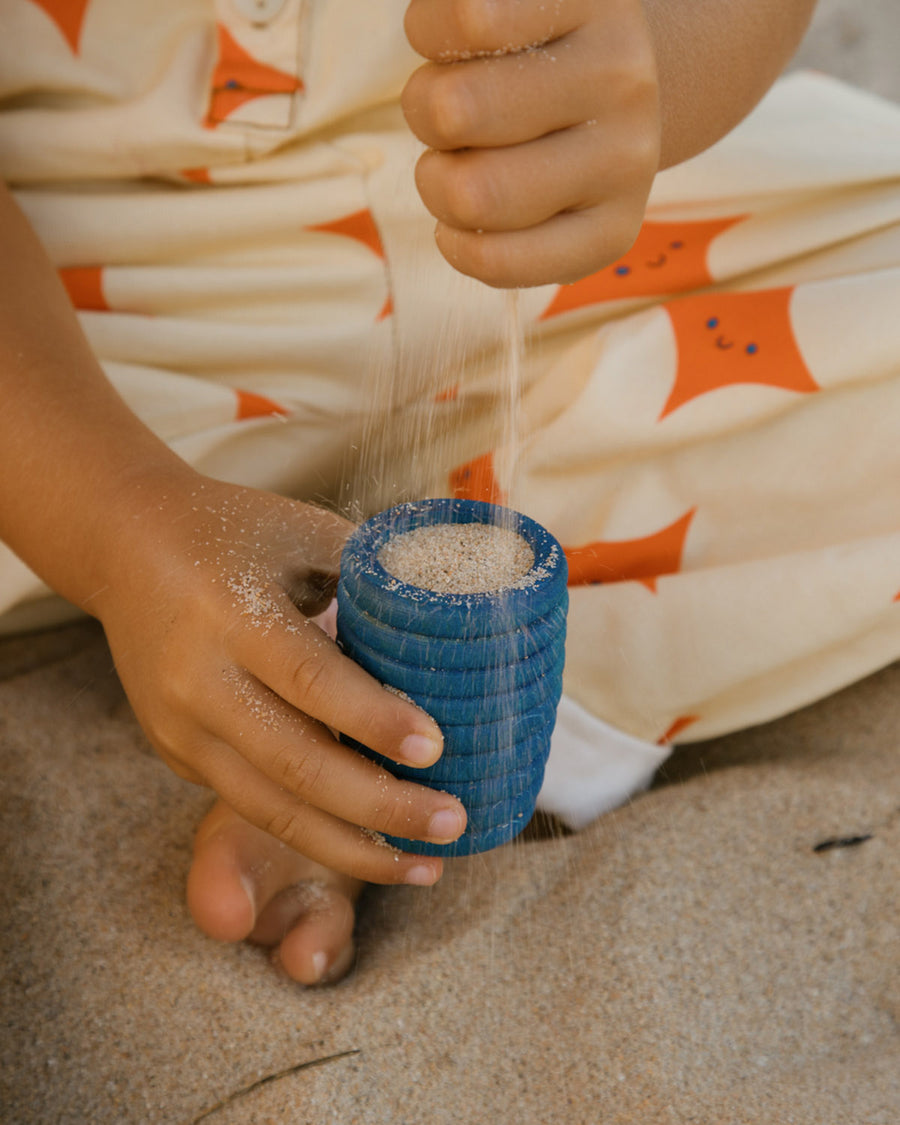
480 24
598 250
469 198
175 693
300 772
395 817
634 154
175 743
309 681
618 239
439 108
287 824
481 256
451 109
184 764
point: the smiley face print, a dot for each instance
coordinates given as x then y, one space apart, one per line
725 339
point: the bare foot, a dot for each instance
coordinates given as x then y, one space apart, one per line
245 884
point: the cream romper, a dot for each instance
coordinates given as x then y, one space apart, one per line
710 426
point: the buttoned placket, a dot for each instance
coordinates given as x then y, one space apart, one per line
257 78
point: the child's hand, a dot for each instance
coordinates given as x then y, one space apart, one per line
543 122
236 688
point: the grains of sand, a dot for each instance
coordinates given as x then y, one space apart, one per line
381 841
257 700
458 558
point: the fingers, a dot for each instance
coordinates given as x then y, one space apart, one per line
501 101
520 136
562 250
603 65
508 218
303 758
326 839
305 667
443 31
520 187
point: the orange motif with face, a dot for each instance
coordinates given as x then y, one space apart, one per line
239 77
665 258
728 338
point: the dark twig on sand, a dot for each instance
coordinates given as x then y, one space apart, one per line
271 1078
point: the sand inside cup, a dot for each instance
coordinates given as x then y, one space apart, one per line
458 558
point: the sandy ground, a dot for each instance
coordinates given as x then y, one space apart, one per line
725 949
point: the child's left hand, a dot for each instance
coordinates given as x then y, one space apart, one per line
543 125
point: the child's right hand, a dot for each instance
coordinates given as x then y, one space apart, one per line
543 127
546 123
206 611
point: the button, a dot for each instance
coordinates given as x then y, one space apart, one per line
258 11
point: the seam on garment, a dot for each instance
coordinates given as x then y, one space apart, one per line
365 175
296 24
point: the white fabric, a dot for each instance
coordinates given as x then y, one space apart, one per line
593 767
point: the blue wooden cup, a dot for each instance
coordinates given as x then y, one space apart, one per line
486 666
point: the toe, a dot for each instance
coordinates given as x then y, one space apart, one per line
316 939
220 896
246 884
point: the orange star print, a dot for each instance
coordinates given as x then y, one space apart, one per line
725 339
84 284
680 724
361 226
68 15
665 258
622 560
239 77
250 405
476 481
197 175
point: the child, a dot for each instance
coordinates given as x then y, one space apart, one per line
225 191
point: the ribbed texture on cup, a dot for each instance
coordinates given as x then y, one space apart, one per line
487 667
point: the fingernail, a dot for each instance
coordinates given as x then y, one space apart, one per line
320 963
419 750
420 876
445 825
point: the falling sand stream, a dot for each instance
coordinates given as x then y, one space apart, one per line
426 459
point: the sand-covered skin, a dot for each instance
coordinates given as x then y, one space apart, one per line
458 558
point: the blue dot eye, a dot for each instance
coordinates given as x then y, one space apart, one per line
623 271
751 349
231 84
713 322
677 245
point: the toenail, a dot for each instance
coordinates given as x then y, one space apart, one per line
320 964
445 825
341 964
250 892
